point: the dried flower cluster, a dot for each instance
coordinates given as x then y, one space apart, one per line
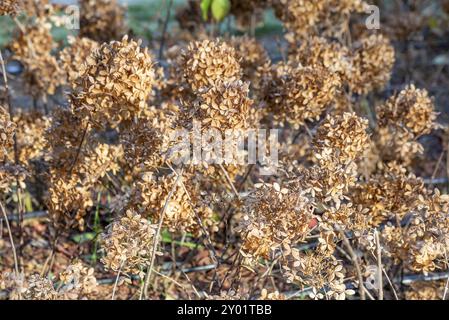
206 61
127 253
33 47
305 18
102 20
114 83
296 94
9 7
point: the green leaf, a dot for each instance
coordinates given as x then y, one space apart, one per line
220 9
205 6
83 237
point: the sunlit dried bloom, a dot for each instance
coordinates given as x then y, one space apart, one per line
14 284
264 295
204 62
327 185
274 217
7 131
34 287
150 194
389 194
128 244
9 7
412 110
304 18
39 288
296 94
114 84
373 61
224 105
322 272
102 20
73 56
341 139
77 282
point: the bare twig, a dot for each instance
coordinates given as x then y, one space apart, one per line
355 260
164 30
117 278
229 181
156 237
13 248
379 265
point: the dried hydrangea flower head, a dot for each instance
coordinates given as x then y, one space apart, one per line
373 61
341 139
73 56
31 128
142 144
411 110
318 51
77 282
7 131
204 62
127 243
150 193
114 84
39 288
322 272
297 94
68 202
9 7
389 194
102 20
304 18
224 105
33 48
274 217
